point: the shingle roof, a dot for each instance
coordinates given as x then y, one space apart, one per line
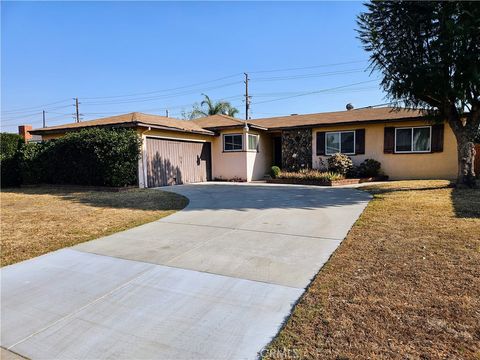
135 118
218 120
204 125
222 121
337 117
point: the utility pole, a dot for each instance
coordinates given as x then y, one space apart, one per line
77 114
43 113
166 112
247 98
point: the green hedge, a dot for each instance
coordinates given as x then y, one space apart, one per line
99 157
10 145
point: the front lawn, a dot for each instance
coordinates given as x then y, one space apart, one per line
405 284
38 220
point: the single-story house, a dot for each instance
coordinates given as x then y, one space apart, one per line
174 151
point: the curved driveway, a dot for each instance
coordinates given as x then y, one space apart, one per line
215 280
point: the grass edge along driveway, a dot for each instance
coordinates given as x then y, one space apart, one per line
38 220
403 284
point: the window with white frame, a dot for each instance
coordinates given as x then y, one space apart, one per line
252 142
340 142
413 139
233 142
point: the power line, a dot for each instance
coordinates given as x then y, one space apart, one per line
31 113
44 106
53 112
377 105
21 110
160 96
343 88
287 93
20 116
165 90
308 76
26 120
316 92
309 67
156 108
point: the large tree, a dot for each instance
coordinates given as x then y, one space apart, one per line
208 107
429 56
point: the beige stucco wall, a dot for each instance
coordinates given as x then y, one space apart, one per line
228 165
51 136
259 162
246 164
441 165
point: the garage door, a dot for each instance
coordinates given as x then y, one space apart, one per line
171 162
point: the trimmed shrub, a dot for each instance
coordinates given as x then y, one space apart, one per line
312 175
274 172
340 164
9 159
30 163
353 173
369 168
100 157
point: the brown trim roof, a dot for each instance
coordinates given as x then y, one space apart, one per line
216 122
339 117
209 124
131 119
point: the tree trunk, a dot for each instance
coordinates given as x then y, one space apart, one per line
466 161
465 134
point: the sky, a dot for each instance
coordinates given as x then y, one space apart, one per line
119 57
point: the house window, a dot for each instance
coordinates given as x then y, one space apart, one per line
413 139
232 142
340 142
252 142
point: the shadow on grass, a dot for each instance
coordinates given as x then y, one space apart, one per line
466 203
408 185
135 199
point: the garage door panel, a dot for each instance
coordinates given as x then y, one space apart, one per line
171 162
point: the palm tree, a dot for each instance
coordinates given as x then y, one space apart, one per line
208 107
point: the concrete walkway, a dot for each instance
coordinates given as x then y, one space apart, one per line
214 281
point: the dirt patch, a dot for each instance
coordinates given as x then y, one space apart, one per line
403 285
38 220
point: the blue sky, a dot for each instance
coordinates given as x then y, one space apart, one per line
108 52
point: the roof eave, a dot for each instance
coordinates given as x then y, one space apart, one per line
66 129
226 127
125 124
169 128
356 122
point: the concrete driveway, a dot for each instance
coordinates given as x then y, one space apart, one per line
214 281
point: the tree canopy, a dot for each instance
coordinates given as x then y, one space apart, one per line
208 107
429 56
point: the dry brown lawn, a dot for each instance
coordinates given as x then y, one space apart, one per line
405 284
38 220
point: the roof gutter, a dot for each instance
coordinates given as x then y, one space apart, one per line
126 125
168 128
69 129
252 126
357 122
